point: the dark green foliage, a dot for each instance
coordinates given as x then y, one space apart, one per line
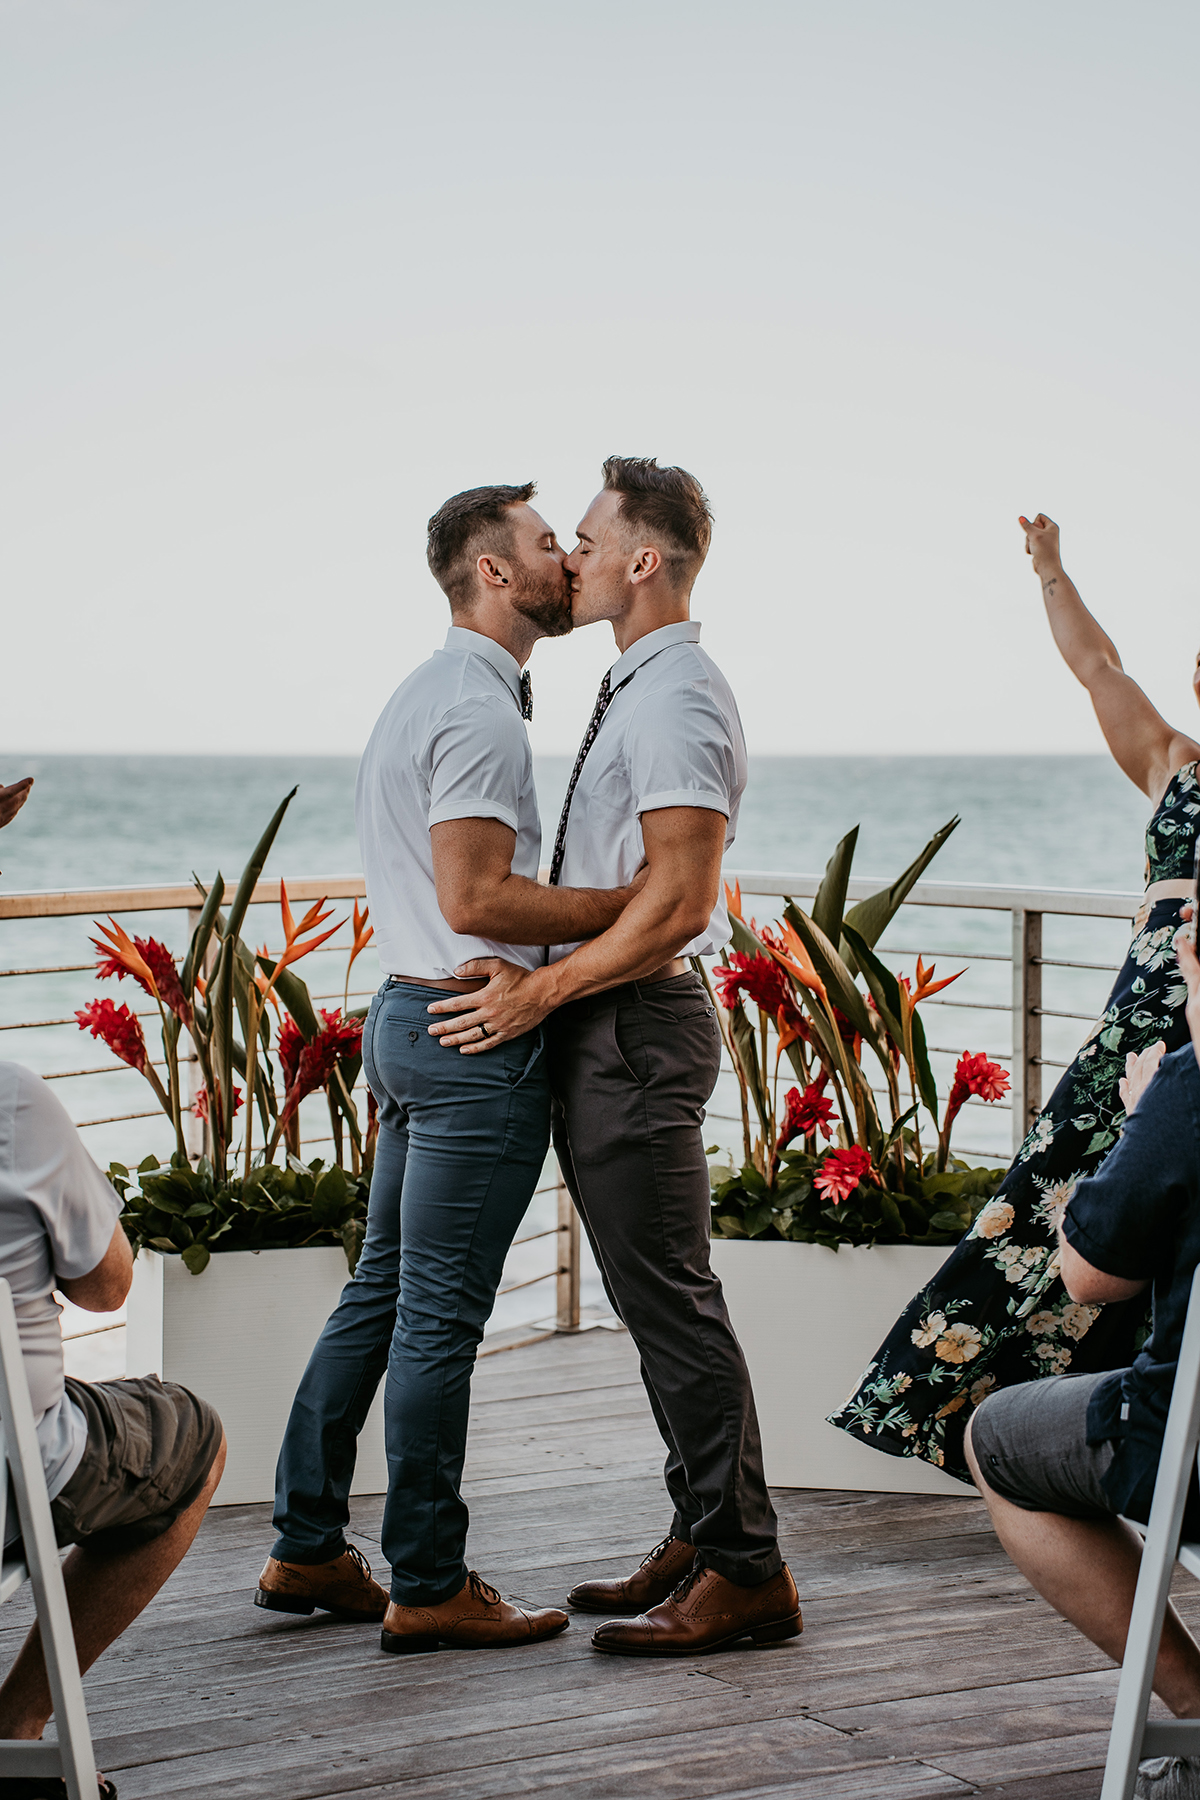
938 1212
188 1212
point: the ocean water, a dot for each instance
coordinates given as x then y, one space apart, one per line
1071 822
1063 821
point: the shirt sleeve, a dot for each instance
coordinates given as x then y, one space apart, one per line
679 751
1124 1220
78 1205
478 762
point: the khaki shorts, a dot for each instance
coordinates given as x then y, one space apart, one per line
150 1446
1031 1445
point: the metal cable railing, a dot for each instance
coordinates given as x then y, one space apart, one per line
998 935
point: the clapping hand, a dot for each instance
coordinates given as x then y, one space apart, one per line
1139 1072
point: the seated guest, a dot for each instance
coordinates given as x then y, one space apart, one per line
130 1465
1058 1460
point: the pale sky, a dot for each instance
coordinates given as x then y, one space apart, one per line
284 274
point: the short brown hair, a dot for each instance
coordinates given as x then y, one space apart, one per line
669 504
468 526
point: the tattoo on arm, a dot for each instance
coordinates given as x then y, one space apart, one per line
1049 585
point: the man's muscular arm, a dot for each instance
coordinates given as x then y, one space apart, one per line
683 847
479 896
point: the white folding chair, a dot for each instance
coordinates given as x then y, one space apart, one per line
71 1757
1133 1736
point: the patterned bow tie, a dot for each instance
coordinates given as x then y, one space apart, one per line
526 695
603 701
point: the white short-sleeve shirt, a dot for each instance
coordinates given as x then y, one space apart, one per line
671 736
449 744
57 1218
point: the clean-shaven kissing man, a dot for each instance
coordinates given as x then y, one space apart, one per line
634 1049
450 839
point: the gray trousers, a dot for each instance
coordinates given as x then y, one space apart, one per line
630 1071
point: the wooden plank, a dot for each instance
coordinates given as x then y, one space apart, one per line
927 1668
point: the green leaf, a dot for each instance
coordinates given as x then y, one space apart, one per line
830 903
745 1044
254 868
885 989
329 1197
758 1219
925 1082
196 1258
830 967
946 1221
295 996
727 1225
871 917
193 962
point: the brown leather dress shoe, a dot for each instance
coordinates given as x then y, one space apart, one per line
476 1618
344 1587
705 1613
657 1576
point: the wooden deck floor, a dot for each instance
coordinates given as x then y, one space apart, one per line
927 1668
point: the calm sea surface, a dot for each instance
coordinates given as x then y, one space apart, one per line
102 821
1065 821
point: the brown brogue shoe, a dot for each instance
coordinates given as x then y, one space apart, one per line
655 1579
475 1619
344 1587
705 1613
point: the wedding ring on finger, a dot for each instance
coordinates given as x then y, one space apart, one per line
484 1032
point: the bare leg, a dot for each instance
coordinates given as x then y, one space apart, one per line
1087 1569
105 1594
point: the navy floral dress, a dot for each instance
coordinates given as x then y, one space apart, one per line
997 1313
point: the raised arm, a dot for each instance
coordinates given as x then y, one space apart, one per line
479 895
1144 745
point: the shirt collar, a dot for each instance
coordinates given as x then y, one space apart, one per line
684 631
473 643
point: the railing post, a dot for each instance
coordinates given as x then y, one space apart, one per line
1026 1022
568 1260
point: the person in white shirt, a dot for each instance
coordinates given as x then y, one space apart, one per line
634 1049
131 1465
450 838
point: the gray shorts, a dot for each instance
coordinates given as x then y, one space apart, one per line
1031 1446
150 1446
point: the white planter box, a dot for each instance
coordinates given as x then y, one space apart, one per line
809 1321
239 1335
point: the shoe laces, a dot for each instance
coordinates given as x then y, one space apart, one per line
360 1562
682 1588
480 1587
658 1550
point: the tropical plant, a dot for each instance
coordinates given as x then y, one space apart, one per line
876 1183
222 979
177 1208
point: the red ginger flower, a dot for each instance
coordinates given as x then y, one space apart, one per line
200 1105
764 982
289 1044
806 1113
154 960
117 1027
840 1173
974 1075
313 1067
